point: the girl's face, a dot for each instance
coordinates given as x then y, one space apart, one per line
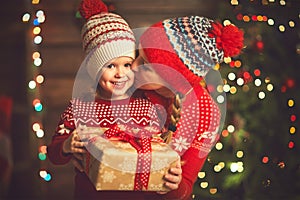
116 78
145 76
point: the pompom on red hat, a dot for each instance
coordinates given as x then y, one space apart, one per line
105 36
190 45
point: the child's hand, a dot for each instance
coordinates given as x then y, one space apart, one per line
173 178
73 144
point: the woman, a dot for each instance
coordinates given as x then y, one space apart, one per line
174 56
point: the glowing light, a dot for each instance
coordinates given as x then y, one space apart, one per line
226 22
246 18
35 1
239 16
257 72
36 22
40 133
213 190
26 17
38 107
36 126
267 80
39 79
41 19
292 130
239 154
233 90
221 164
43 149
32 85
220 99
293 118
261 95
240 81
238 64
225 133
219 146
271 22
36 55
231 76
282 2
37 39
230 128
260 18
204 185
291 103
234 2
257 82
48 177
247 75
217 168
292 24
42 156
281 165
220 88
39 13
226 88
201 174
35 101
43 173
291 144
36 30
227 60
265 159
270 87
281 28
234 167
240 169
37 62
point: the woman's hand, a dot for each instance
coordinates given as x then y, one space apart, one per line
173 177
76 147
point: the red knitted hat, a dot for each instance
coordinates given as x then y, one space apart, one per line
105 36
189 44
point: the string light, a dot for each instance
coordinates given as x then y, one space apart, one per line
37 79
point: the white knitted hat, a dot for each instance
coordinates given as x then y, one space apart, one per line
105 36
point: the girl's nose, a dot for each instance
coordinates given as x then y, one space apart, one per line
120 72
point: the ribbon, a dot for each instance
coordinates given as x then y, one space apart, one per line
142 144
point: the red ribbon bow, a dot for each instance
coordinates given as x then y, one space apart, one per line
142 144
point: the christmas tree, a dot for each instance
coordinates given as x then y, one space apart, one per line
257 155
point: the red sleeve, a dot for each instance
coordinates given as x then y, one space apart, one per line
63 131
192 164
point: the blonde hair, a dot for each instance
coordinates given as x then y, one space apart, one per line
174 118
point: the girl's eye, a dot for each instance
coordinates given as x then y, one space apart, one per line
110 66
128 65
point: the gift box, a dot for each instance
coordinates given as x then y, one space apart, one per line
112 164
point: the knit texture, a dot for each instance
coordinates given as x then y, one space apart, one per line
105 36
189 44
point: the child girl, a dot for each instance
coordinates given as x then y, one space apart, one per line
110 47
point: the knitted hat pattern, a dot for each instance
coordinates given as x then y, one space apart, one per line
105 36
190 44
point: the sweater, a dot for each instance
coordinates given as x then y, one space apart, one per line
192 141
